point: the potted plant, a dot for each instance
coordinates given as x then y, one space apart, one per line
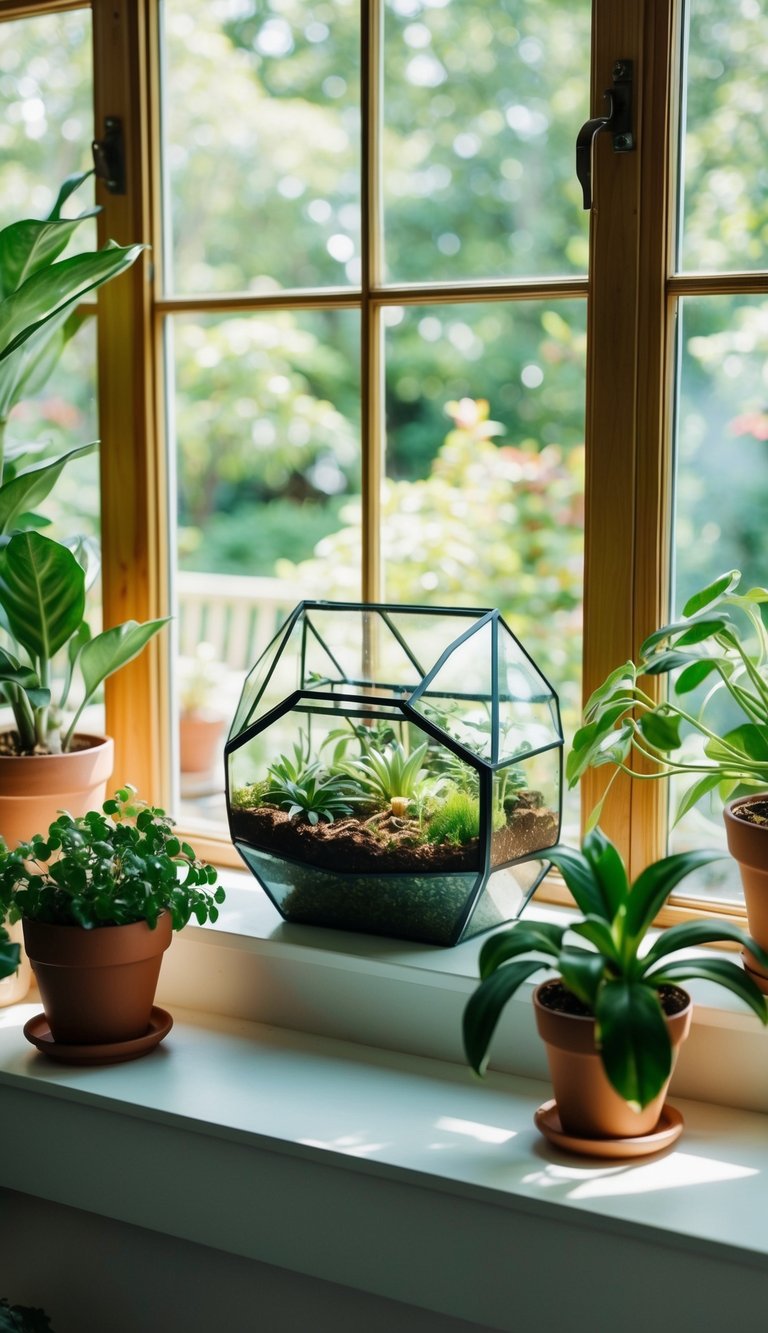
44 763
395 770
22 1319
98 897
720 642
200 723
615 1015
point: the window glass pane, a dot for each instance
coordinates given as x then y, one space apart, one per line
262 131
267 448
482 504
481 108
721 504
46 128
724 223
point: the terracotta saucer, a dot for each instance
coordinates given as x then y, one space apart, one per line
37 1031
669 1128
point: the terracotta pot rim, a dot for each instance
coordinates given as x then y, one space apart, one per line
576 1032
95 742
731 807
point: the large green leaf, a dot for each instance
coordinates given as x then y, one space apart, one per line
660 728
9 955
112 649
693 630
695 793
706 596
51 290
719 970
609 869
751 739
654 885
622 680
29 488
484 1007
693 934
692 676
582 971
582 880
31 245
522 937
595 744
598 932
68 187
42 590
633 1040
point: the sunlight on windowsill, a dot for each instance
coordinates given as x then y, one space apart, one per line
678 1170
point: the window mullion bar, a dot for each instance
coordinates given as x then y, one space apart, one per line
372 350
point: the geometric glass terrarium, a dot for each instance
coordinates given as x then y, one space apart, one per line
396 770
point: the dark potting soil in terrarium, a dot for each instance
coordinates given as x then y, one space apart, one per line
387 843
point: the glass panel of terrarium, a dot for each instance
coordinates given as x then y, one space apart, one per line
504 896
721 493
458 697
367 656
261 116
480 105
526 807
527 713
724 138
428 634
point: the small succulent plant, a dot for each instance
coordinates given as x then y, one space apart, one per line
314 795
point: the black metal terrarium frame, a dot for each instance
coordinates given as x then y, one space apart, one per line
352 703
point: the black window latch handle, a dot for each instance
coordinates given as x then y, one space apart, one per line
618 121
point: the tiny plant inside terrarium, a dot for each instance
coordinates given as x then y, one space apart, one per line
395 770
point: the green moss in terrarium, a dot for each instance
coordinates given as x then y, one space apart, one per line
455 820
248 796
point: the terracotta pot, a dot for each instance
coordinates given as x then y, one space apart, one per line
748 845
199 741
588 1106
97 985
33 788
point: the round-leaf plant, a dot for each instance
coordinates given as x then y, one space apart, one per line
108 869
614 977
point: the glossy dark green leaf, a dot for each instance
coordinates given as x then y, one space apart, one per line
706 628
654 885
660 728
113 648
593 746
693 934
661 663
702 626
582 971
621 681
633 1040
696 793
9 955
724 583
692 676
719 970
522 937
599 933
42 590
485 1006
30 488
52 290
609 869
751 738
582 881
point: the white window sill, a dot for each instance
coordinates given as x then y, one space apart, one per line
325 1151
